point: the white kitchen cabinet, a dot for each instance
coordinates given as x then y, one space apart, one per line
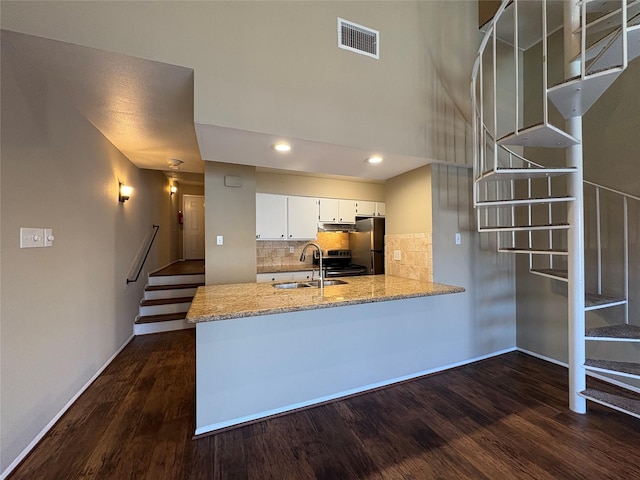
301 276
302 213
273 277
271 217
365 208
370 209
279 217
333 210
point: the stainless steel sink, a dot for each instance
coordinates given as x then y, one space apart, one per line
291 285
327 283
314 283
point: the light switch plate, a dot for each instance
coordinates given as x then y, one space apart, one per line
397 255
31 237
48 237
219 240
458 239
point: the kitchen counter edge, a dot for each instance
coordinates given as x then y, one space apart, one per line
228 301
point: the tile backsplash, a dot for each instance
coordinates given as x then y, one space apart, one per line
277 254
416 258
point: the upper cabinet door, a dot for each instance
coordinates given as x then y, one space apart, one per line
365 209
346 211
328 210
380 209
302 216
271 217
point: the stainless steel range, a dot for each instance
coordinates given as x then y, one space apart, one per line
337 263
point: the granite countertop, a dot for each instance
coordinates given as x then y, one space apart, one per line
223 302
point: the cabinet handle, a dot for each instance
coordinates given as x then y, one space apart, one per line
290 236
282 236
257 236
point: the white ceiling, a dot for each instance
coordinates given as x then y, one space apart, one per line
231 145
145 109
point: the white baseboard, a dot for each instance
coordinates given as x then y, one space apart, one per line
346 393
53 421
542 357
159 327
604 378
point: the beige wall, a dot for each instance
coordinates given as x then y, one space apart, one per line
283 73
309 186
408 202
475 264
65 309
230 212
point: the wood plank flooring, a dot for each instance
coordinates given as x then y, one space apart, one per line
184 267
503 418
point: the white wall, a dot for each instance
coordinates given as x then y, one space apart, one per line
65 309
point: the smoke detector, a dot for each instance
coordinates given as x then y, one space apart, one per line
174 163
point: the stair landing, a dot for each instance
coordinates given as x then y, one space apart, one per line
181 267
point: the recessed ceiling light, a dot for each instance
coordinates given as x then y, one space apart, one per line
374 159
282 147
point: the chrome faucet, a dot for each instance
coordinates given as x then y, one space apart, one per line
304 256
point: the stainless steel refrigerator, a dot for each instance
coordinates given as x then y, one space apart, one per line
367 245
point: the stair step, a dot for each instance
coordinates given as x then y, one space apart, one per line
524 228
625 369
524 201
171 291
594 48
534 251
506 174
165 301
555 273
621 403
614 333
610 17
613 54
160 318
157 280
540 135
594 301
574 97
155 288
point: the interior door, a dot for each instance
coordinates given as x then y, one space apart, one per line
193 226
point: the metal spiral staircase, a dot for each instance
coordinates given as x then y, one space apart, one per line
542 209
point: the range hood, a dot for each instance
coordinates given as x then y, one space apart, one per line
336 227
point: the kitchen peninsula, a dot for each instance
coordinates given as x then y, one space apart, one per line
262 350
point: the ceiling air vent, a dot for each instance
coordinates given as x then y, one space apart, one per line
357 38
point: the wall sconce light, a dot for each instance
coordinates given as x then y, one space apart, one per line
173 190
124 192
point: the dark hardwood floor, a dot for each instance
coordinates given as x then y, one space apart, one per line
503 418
184 267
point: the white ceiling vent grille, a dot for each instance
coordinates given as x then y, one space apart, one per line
357 38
